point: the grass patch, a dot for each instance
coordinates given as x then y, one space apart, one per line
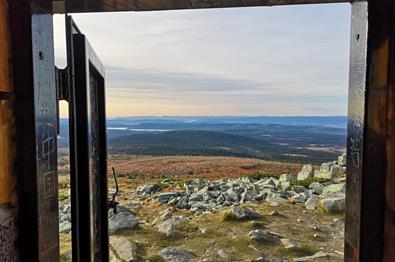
240 243
306 183
304 250
229 216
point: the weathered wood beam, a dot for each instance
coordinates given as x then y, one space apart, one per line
8 190
74 6
370 212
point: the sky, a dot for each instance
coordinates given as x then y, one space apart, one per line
289 60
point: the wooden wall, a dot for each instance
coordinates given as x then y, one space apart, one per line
8 193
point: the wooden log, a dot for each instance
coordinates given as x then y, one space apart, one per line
151 5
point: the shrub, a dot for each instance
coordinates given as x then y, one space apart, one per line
249 165
306 183
258 175
229 216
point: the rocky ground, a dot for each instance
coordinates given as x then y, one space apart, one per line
258 217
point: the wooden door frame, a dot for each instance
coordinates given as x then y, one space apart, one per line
370 210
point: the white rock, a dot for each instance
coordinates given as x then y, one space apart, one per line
124 219
221 253
334 204
168 225
124 249
287 178
307 172
334 189
342 160
244 213
311 203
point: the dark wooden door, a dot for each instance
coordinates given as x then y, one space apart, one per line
88 167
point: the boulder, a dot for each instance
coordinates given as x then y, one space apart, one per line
287 178
311 203
298 188
329 171
298 198
124 249
175 254
123 219
242 213
275 200
163 198
307 172
268 183
342 160
168 224
334 189
148 189
262 235
285 185
317 187
65 227
333 204
232 195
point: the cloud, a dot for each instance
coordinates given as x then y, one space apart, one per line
178 81
249 59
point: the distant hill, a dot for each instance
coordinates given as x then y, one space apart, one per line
207 143
313 139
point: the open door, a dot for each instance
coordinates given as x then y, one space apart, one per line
88 166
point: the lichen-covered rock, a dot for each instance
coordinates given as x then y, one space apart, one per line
287 178
124 249
329 171
298 188
333 204
163 198
317 187
311 203
307 172
262 235
175 254
342 160
148 189
298 198
168 225
242 213
65 227
123 219
334 189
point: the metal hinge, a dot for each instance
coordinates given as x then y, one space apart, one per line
63 83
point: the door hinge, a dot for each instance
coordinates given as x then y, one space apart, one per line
63 83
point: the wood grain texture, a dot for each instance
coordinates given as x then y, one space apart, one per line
5 54
7 154
151 5
389 226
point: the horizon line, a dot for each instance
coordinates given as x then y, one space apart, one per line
163 116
